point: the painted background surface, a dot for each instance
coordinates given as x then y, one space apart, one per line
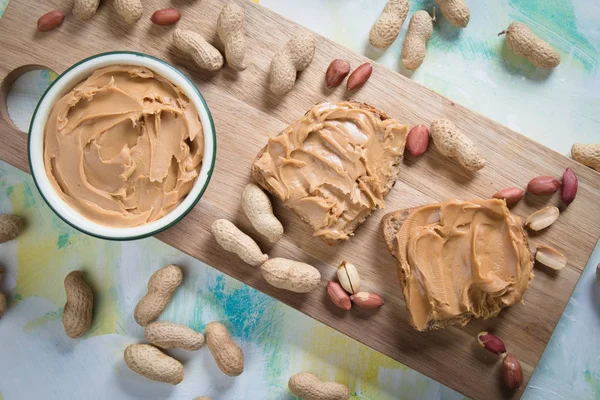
472 67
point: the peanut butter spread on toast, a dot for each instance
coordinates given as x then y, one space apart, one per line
462 258
334 165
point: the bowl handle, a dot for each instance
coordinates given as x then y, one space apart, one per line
13 142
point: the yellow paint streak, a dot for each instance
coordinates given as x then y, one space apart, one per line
41 269
354 363
41 321
106 309
43 265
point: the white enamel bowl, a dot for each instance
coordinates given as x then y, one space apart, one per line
65 83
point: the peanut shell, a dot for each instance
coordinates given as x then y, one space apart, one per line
227 353
202 52
525 43
456 12
11 226
232 239
231 30
420 29
77 313
587 154
150 362
452 143
386 28
168 335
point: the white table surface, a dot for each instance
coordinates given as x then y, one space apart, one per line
471 67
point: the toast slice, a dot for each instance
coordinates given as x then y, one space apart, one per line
391 224
346 227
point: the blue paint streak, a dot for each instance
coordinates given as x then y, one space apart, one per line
63 240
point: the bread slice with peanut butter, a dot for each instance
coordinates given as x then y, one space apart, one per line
458 260
333 166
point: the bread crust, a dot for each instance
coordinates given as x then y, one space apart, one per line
390 225
262 182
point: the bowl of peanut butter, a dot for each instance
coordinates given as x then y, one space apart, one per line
122 145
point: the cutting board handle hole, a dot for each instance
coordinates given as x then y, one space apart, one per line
20 93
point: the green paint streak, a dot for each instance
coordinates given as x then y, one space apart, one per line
63 240
3 5
553 20
48 75
21 195
29 196
253 317
49 316
593 380
557 17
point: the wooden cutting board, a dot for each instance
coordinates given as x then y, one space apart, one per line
246 114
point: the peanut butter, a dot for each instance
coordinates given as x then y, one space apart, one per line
334 165
462 259
124 147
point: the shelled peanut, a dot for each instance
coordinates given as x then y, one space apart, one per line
348 277
359 76
491 342
161 287
347 291
166 16
512 373
550 257
511 195
542 219
569 187
367 300
543 185
50 20
338 296
417 140
336 73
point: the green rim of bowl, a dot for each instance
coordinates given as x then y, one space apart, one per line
208 176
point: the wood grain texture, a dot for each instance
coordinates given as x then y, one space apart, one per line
246 114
